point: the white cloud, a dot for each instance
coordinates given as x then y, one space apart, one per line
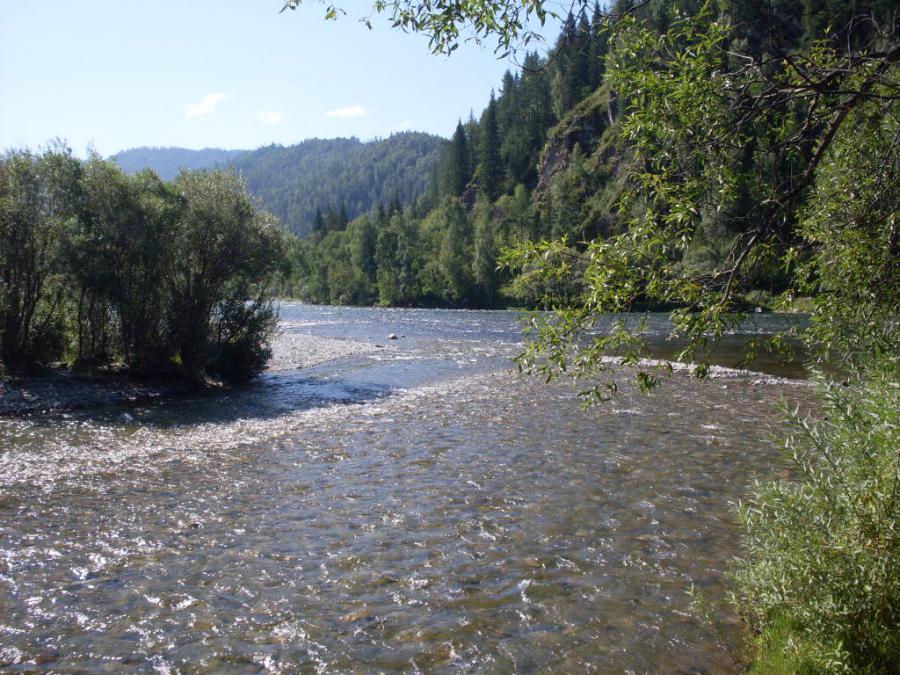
270 118
405 125
349 111
206 107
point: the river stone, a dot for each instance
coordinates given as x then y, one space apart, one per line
48 654
356 615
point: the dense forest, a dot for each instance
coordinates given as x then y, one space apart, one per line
167 163
314 181
549 158
343 177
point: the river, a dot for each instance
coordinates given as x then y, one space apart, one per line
410 505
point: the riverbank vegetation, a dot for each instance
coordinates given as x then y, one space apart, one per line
102 269
819 581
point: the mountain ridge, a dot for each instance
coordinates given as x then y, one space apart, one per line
294 182
168 161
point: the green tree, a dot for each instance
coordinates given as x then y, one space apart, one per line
689 122
490 169
362 240
485 252
225 252
39 198
443 23
458 171
107 267
397 260
599 46
454 256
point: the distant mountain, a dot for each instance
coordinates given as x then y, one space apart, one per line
167 162
330 174
295 181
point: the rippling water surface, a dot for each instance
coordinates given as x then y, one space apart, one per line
417 507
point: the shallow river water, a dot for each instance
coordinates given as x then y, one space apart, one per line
415 506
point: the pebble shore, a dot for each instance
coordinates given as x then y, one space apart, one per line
64 391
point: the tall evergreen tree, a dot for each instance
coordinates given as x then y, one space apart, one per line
459 171
599 46
565 81
490 169
319 222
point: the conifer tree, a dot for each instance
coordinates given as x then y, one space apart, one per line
565 85
319 222
582 68
599 45
459 171
395 206
490 169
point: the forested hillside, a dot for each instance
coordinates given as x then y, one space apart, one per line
167 163
340 178
550 158
443 249
530 166
337 178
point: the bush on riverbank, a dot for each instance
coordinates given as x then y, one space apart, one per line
98 267
821 580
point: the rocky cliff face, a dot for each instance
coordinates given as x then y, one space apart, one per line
584 126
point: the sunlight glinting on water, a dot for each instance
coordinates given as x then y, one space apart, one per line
417 507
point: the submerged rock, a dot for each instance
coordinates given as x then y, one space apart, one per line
361 613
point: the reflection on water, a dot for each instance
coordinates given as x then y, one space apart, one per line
415 508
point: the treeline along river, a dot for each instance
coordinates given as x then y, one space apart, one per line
406 504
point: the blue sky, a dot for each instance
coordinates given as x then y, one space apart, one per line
222 73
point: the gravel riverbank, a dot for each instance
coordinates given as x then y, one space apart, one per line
58 391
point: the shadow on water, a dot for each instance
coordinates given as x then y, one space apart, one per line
730 352
270 396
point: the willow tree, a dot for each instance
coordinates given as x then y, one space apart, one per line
39 196
225 253
446 22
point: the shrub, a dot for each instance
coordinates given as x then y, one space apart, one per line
241 336
821 577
